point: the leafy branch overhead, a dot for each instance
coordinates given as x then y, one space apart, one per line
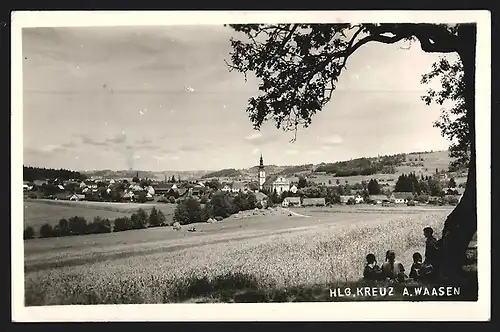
453 119
299 64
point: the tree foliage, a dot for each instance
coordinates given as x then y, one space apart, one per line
299 64
453 121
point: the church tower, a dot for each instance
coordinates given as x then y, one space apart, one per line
262 173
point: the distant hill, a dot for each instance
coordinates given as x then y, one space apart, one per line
109 174
424 162
421 162
224 173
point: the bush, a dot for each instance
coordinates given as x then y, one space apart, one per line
188 211
29 233
122 224
46 231
156 218
99 226
221 205
259 205
63 228
411 203
171 199
219 218
77 225
163 199
351 201
139 219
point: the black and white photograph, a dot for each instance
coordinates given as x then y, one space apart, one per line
230 158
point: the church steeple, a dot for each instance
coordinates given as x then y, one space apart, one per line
262 173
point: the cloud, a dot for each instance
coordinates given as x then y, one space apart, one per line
333 140
175 158
144 141
291 152
255 151
253 136
68 145
90 141
52 148
190 148
120 138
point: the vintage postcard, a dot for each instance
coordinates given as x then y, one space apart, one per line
328 166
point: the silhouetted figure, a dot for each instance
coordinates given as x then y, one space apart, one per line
431 247
372 271
393 270
419 270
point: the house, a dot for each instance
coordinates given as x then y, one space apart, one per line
77 197
278 183
359 199
150 190
61 196
261 198
226 188
291 201
294 189
149 197
401 197
345 198
238 187
111 181
164 188
40 183
182 191
379 199
313 202
27 186
61 187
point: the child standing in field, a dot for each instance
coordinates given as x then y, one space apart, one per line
416 266
372 271
393 270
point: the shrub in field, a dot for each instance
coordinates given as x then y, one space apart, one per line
206 212
259 205
188 211
46 231
63 228
98 226
29 233
221 205
163 199
122 224
351 201
139 219
156 218
176 226
171 199
77 225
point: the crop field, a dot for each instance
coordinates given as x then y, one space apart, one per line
38 212
283 251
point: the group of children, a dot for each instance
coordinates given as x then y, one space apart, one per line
393 270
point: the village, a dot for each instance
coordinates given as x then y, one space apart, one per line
274 189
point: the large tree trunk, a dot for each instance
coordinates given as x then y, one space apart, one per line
461 225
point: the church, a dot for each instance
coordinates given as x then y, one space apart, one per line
273 182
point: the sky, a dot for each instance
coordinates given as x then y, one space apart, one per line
162 98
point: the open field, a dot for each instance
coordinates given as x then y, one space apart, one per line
259 252
433 160
38 212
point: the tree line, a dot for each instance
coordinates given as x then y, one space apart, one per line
80 226
422 185
220 206
363 166
37 173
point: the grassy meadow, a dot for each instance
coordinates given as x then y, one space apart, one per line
38 212
257 258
